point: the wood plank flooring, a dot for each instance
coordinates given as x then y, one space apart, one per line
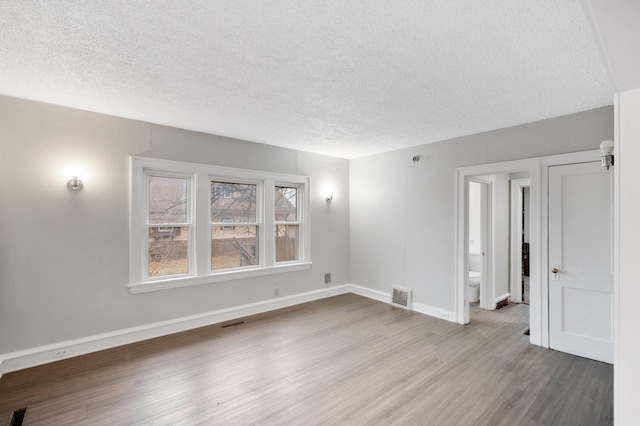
343 360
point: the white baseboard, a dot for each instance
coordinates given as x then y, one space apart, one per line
435 312
45 354
19 360
502 297
370 293
417 307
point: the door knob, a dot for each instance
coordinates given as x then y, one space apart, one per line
554 270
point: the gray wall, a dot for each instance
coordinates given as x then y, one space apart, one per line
403 217
64 256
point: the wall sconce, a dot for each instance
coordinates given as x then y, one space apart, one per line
329 198
75 183
607 153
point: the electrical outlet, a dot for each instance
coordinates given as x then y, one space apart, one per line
444 316
276 291
60 353
327 278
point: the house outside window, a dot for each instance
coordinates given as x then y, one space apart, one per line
222 190
227 227
196 224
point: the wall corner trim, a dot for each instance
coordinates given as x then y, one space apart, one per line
14 361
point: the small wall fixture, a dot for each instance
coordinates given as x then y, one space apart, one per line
329 198
75 183
415 160
607 153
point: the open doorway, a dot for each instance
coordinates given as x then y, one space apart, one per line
498 239
489 235
520 239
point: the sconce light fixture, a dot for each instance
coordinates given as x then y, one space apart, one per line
75 183
329 198
607 153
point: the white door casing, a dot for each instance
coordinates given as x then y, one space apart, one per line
486 232
486 241
463 175
580 248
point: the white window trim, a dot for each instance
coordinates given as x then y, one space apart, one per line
190 222
200 263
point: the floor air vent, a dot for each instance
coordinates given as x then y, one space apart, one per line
401 297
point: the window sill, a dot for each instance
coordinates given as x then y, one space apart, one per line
215 277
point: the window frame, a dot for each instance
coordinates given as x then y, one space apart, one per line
189 223
259 222
297 222
199 183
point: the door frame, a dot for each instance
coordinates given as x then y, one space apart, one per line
515 250
545 163
463 175
487 224
538 261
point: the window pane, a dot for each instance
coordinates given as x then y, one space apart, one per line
286 243
167 199
233 248
168 250
286 202
233 202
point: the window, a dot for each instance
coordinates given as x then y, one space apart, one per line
240 247
196 224
287 225
168 225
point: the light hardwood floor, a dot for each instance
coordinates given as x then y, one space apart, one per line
344 360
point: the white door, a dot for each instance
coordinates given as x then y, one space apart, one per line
580 260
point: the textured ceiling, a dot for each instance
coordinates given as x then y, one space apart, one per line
344 78
617 25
